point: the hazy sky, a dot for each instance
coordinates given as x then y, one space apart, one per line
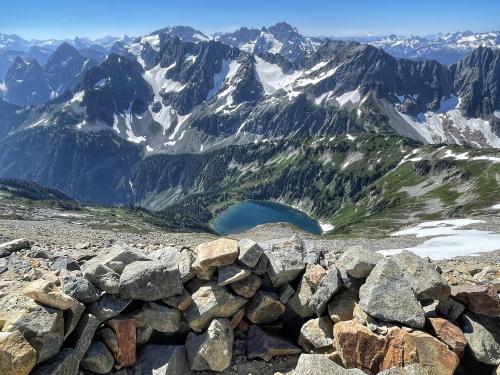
95 18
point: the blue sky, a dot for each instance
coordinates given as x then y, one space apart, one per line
95 18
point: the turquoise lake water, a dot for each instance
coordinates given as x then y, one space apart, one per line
245 215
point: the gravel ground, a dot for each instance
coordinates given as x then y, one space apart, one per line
68 232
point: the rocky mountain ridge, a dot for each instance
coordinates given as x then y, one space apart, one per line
447 48
207 94
28 83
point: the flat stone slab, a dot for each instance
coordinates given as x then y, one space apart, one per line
388 296
150 281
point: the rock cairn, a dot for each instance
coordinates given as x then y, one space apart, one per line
180 310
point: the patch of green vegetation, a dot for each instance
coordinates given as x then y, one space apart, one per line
447 195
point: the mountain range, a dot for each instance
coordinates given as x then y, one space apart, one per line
445 48
172 120
280 38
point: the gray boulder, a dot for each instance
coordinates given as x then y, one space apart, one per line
72 317
483 336
350 282
250 252
10 247
108 307
80 289
264 308
17 264
231 273
161 318
211 301
41 326
286 292
318 333
387 295
358 261
425 280
329 285
64 263
98 358
450 308
102 276
248 286
261 344
143 334
119 256
180 301
286 261
299 302
341 307
260 268
161 360
212 350
109 338
65 363
184 258
319 364
150 281
82 336
168 254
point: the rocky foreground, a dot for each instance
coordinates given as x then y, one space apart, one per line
241 307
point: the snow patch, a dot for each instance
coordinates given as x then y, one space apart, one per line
180 121
102 82
272 77
153 40
219 79
351 96
449 240
431 125
131 137
350 137
230 86
156 78
326 227
451 154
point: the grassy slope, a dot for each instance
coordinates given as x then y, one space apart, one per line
359 184
435 187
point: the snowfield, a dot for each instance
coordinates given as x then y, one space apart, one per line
449 239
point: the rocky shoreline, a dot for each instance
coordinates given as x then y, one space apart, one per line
239 307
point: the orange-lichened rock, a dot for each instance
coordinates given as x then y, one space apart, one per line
361 348
406 348
351 336
125 330
448 333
